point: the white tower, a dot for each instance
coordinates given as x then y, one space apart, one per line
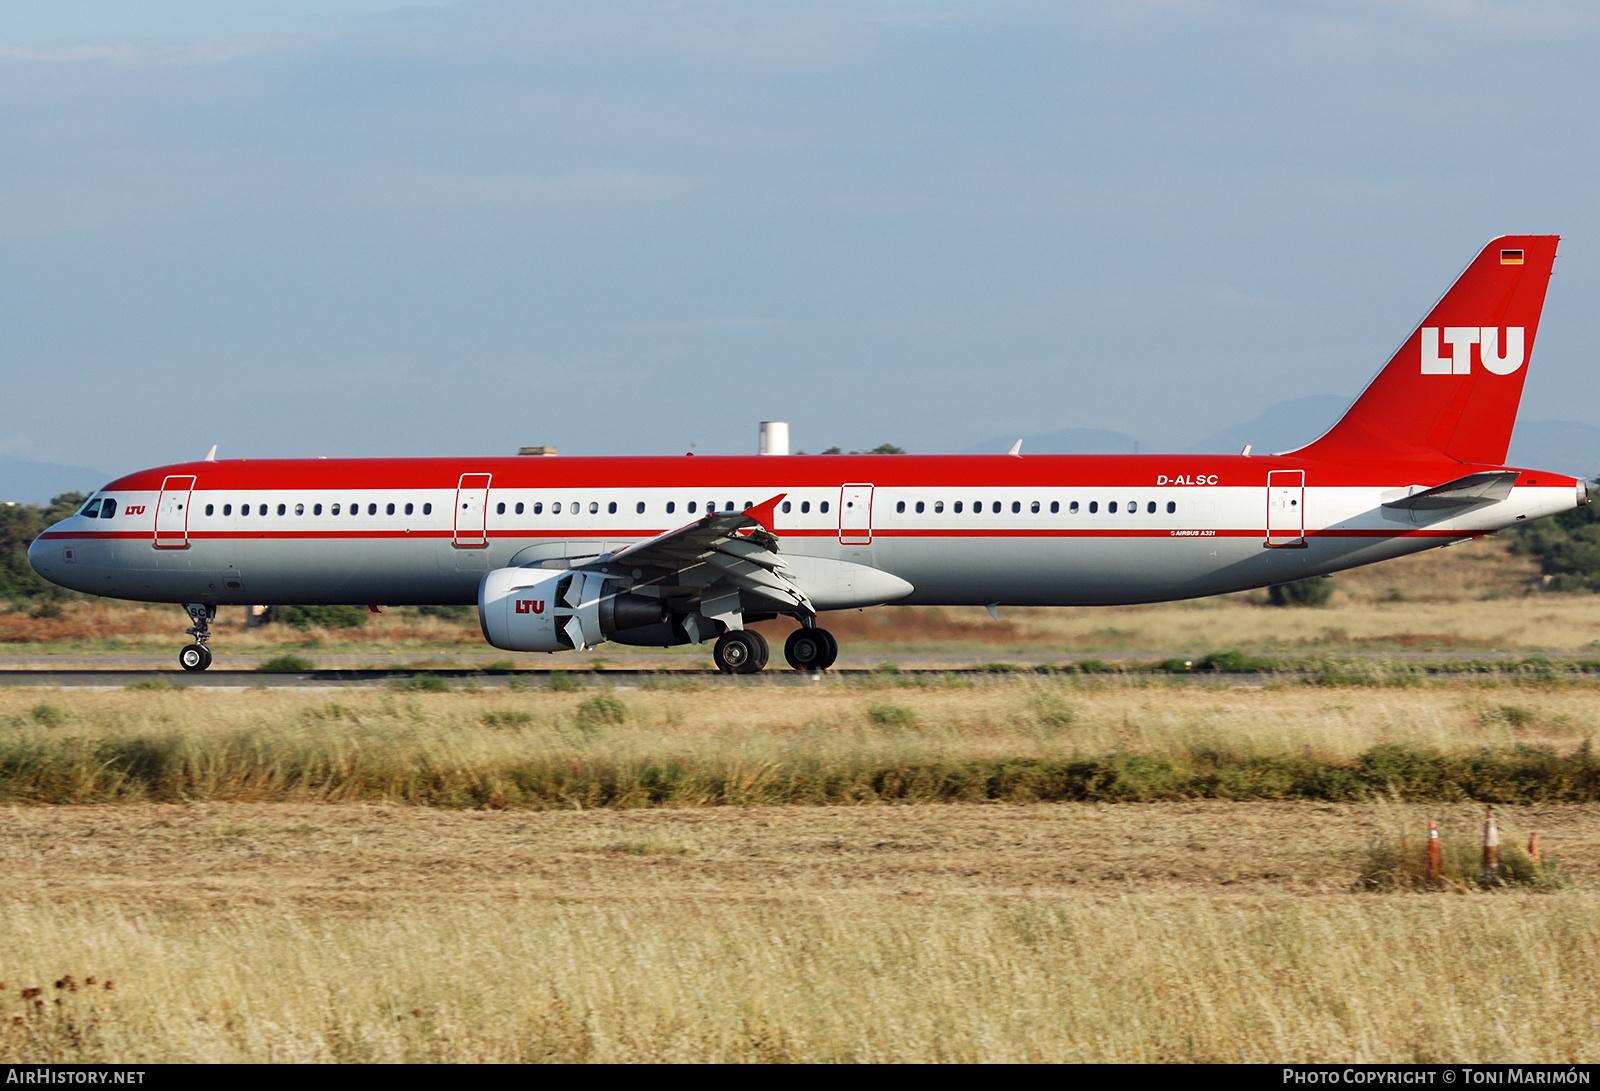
774 437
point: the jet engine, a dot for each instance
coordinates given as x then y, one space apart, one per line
540 610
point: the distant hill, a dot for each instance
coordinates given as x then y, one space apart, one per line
1281 427
38 482
1565 446
1068 441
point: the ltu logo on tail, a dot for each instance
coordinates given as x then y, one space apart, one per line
1461 339
530 606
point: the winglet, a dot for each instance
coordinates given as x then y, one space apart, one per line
1016 448
211 455
764 512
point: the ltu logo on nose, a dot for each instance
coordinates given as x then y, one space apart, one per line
530 606
1461 339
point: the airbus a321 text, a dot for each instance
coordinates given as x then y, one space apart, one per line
564 553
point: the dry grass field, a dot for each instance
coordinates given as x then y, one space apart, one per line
286 904
1162 932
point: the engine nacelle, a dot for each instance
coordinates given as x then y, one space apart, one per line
540 610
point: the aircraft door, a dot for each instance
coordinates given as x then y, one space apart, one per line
855 515
172 513
1286 509
472 512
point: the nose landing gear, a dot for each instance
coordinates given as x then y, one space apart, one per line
196 656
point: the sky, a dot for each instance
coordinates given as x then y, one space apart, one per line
358 228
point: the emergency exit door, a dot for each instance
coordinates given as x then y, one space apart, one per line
472 512
1286 509
855 515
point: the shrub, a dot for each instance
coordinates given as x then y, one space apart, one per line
562 682
601 709
1567 547
1312 592
891 715
316 617
287 664
448 613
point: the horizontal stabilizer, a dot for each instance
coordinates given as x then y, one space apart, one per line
1464 492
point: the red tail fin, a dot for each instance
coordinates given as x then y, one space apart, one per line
1454 386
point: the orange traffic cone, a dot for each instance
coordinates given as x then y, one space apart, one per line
1435 853
1491 848
1533 849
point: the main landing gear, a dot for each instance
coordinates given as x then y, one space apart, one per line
811 649
196 656
744 651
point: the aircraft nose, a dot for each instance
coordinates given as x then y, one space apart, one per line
39 558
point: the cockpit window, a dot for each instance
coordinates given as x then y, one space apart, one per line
91 510
108 508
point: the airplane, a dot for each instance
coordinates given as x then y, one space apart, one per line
566 553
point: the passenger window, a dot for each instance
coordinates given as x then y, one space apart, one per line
639 507
957 507
1133 507
555 509
611 508
334 510
316 509
538 509
1055 507
1094 507
91 510
108 509
823 507
938 507
299 509
1150 508
805 507
517 509
1111 507
691 507
283 509
671 504
244 509
355 509
729 506
227 509
919 507
786 507
1071 508
427 509
900 506
1016 507
209 510
1035 508
499 509
594 507
261 510
372 509
748 505
409 509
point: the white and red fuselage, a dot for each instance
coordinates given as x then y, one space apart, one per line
847 531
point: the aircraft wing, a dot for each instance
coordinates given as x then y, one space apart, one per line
738 547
